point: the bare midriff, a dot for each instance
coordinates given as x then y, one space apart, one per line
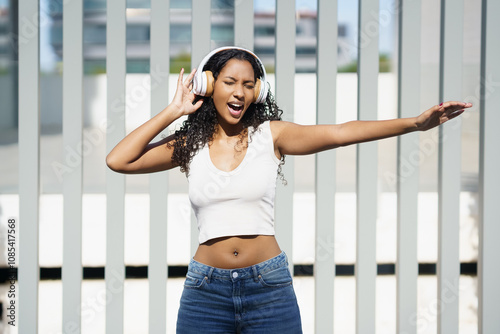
237 251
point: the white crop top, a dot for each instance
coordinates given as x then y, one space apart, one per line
239 202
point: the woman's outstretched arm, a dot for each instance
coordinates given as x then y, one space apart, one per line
294 139
135 154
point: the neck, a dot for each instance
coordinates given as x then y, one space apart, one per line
224 130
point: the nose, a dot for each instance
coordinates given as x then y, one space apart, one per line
238 91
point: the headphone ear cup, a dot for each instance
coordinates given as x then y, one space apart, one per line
257 90
209 80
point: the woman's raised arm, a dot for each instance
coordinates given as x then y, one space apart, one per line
294 139
135 154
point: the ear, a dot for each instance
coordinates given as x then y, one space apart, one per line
256 90
210 83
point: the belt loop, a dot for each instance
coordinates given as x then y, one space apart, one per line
209 275
255 273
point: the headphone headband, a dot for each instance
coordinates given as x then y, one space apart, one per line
203 79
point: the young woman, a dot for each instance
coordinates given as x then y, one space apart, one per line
231 147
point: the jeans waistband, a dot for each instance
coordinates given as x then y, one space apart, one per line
239 273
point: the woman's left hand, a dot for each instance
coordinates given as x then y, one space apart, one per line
439 114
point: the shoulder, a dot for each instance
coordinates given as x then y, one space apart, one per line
280 127
276 127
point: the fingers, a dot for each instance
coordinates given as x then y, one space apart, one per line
452 109
194 106
190 77
455 114
460 105
198 104
188 82
179 79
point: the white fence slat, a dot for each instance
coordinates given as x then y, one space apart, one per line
73 181
243 24
158 182
200 47
29 165
115 183
489 178
408 166
324 265
285 76
366 176
449 169
200 30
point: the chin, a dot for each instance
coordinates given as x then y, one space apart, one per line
234 121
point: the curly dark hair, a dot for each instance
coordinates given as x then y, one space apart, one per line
200 126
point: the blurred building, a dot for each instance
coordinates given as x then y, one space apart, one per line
4 38
8 68
222 33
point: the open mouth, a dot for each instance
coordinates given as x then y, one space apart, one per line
235 109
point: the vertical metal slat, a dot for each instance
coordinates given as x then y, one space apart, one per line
29 165
73 180
285 76
408 171
489 178
448 268
366 176
115 183
157 270
243 24
324 266
200 46
200 30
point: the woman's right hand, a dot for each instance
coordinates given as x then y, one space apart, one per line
184 97
136 154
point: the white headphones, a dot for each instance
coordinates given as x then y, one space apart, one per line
204 80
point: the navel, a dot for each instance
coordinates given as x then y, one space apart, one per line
235 252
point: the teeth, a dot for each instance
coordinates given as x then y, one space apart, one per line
235 106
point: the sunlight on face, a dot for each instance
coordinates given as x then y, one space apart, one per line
234 91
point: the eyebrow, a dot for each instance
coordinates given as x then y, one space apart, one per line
246 81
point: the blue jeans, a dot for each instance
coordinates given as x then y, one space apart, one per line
255 299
